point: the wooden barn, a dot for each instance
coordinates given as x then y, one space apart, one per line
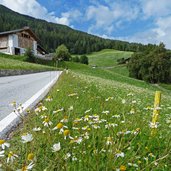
15 42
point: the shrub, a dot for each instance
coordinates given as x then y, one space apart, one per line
62 53
84 59
30 56
76 59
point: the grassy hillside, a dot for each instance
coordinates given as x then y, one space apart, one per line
107 57
18 62
101 119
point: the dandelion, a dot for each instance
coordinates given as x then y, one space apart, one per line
2 153
4 144
47 122
30 157
122 168
11 157
27 138
56 147
26 168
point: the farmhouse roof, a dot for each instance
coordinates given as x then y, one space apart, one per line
27 29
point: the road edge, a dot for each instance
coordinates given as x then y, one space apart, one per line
12 120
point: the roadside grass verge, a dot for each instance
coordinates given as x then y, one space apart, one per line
100 125
20 64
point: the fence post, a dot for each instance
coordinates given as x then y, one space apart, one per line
156 112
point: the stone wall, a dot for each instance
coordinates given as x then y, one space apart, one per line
11 72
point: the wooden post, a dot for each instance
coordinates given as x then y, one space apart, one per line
156 112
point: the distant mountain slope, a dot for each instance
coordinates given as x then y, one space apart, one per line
52 35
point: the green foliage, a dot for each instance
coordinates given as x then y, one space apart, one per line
84 59
62 53
30 56
123 60
52 35
153 65
76 59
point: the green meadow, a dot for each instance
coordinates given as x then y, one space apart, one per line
94 119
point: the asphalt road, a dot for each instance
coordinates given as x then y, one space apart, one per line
21 88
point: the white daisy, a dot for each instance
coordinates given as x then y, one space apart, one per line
56 147
27 138
2 153
11 157
4 144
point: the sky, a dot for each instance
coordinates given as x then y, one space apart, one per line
144 21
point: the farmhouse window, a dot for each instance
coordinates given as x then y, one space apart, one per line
25 35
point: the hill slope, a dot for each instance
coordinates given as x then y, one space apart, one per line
52 35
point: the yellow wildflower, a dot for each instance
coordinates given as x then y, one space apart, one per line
30 156
122 168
